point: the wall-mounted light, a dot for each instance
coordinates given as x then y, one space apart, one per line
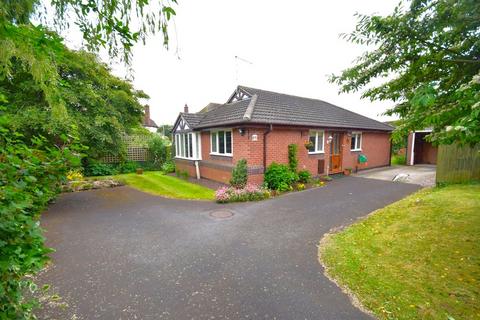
241 131
329 139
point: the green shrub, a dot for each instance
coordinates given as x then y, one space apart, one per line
31 176
100 169
292 157
158 150
127 167
279 177
399 159
239 174
304 176
168 167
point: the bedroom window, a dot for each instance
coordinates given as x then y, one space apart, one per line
316 138
221 142
187 145
356 143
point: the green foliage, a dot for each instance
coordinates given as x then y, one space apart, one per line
168 167
75 175
165 130
58 98
304 176
429 54
31 175
109 24
239 174
97 106
292 157
279 177
127 167
100 169
398 159
157 147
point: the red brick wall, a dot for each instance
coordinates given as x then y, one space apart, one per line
277 149
185 165
375 145
219 168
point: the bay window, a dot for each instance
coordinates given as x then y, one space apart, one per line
221 142
187 145
316 142
356 142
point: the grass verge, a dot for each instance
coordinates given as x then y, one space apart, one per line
158 183
418 258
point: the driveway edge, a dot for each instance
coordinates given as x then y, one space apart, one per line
351 295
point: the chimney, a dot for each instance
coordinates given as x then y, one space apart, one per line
146 115
185 109
147 111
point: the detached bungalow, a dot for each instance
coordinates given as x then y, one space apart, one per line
258 126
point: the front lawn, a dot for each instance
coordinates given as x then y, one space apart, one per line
418 258
158 183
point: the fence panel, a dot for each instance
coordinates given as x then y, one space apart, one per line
137 149
457 164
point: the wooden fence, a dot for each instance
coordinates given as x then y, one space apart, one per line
137 149
457 164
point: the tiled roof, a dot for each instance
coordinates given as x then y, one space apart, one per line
149 123
193 119
266 107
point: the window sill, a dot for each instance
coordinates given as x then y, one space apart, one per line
316 152
222 154
355 150
192 159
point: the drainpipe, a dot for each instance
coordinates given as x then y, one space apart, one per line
269 129
412 159
197 170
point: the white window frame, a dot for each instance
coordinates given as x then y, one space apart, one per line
317 150
216 153
182 151
358 141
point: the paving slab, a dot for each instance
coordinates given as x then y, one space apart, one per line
124 254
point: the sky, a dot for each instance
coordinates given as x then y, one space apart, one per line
292 47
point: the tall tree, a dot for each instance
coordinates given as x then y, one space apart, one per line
111 24
101 108
50 96
428 53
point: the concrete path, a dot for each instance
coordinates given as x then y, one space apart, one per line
124 254
421 174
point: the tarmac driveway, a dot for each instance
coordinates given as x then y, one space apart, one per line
422 174
124 254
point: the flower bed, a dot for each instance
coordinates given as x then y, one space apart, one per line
250 192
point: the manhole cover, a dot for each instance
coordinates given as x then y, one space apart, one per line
221 214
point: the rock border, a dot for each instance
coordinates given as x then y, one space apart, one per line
84 185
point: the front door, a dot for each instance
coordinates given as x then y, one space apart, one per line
336 153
